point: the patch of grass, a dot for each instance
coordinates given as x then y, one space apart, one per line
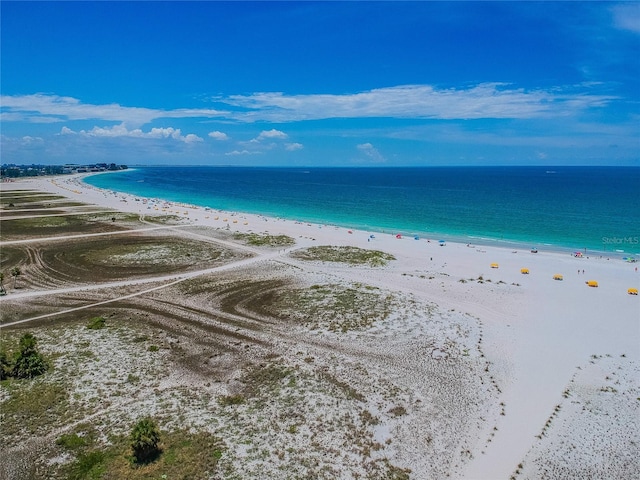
265 378
266 240
348 255
96 323
165 219
89 465
153 348
33 406
337 308
185 455
71 441
228 400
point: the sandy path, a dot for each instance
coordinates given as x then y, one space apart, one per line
171 279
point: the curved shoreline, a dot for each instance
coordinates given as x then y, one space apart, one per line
480 238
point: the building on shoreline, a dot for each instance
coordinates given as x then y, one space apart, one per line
16 171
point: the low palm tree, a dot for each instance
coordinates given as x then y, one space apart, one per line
145 438
2 290
15 273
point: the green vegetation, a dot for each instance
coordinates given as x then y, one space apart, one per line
349 255
265 240
184 455
33 407
27 361
15 273
145 439
228 400
337 308
71 441
5 365
96 323
165 219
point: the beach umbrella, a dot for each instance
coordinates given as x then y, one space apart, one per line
591 283
557 276
524 271
416 237
632 291
398 236
494 265
534 250
372 236
442 242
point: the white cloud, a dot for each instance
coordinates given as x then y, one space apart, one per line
487 100
192 138
240 152
52 108
122 131
626 16
216 135
272 134
29 140
292 147
370 151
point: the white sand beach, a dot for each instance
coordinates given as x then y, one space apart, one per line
556 348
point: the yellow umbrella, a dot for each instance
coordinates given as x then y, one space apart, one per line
494 265
632 291
557 276
524 271
591 283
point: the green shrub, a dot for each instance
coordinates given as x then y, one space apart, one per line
96 323
145 438
5 365
71 441
29 362
88 465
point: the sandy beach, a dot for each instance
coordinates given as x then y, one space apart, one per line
553 381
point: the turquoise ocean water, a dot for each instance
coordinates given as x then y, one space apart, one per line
551 208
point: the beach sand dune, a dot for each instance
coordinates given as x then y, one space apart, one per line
452 368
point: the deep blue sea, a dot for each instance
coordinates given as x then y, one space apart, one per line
555 208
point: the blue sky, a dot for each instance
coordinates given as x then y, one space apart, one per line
329 83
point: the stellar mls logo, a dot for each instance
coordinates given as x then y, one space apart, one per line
620 240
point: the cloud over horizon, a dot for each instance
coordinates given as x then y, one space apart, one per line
482 101
122 131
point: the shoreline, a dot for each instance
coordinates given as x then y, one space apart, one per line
537 333
482 239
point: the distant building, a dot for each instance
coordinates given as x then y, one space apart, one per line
15 171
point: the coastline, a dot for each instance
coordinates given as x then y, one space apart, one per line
413 221
538 333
